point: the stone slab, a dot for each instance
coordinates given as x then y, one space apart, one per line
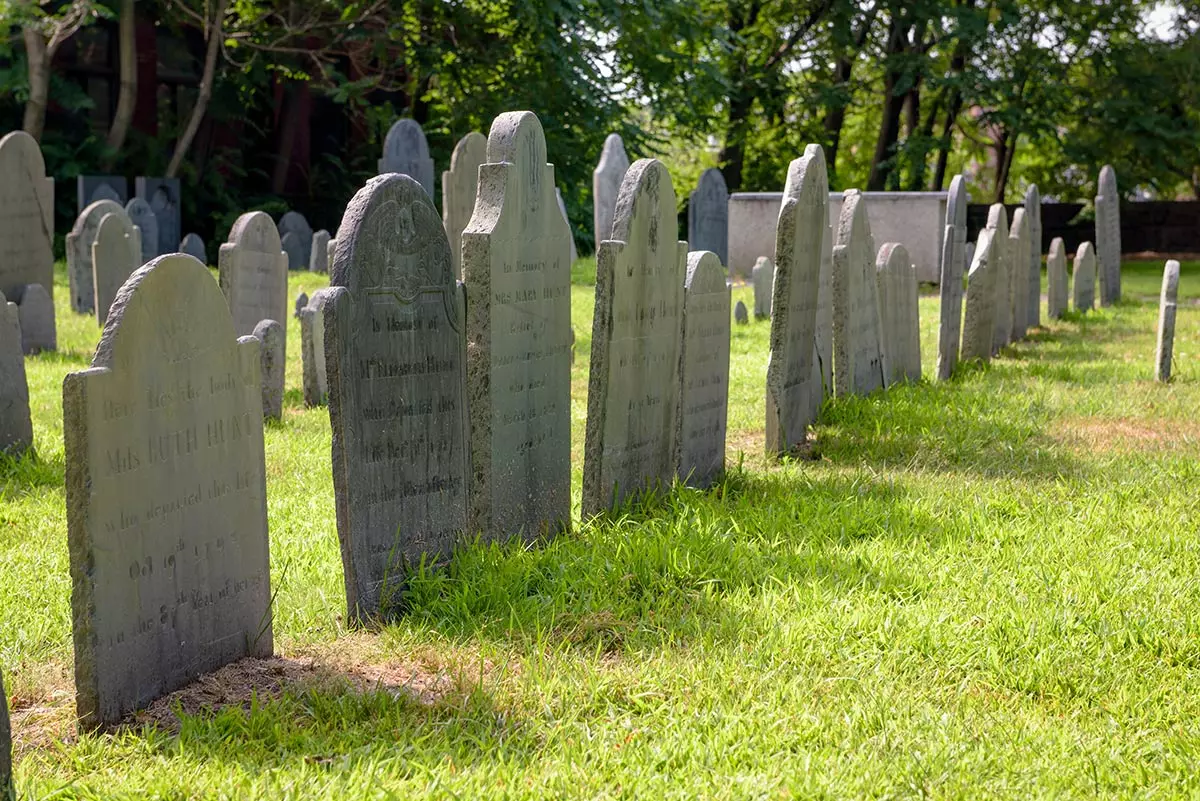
857 350
294 223
606 186
16 427
980 314
1108 237
1083 277
79 253
1033 219
1001 266
459 186
319 259
272 361
1167 299
36 311
762 278
1019 261
253 272
823 336
26 217
952 270
116 253
163 195
142 216
708 215
704 405
405 151
1056 280
90 188
899 315
312 350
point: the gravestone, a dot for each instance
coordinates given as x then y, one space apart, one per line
26 222
1033 221
606 185
36 311
290 243
459 186
294 223
741 314
332 251
1018 249
979 318
272 337
562 206
116 253
795 386
1084 277
194 246
823 338
142 216
954 260
405 151
253 272
515 252
1108 237
319 259
312 349
857 351
637 336
79 253
90 188
163 196
1166 321
970 258
166 495
301 302
16 427
704 407
395 352
1056 280
896 283
6 782
708 215
1000 265
762 277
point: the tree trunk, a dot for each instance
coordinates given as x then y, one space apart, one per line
289 122
39 83
127 99
206 83
939 175
835 118
1005 148
893 105
733 154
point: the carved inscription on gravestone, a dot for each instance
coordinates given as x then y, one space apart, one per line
704 405
253 272
857 351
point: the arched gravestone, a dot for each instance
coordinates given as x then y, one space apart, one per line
394 353
90 188
319 260
704 405
163 196
857 351
896 282
954 260
27 231
762 277
294 223
253 272
1108 236
515 262
271 336
312 349
194 246
606 185
79 253
459 185
1001 265
741 314
166 495
1084 277
708 215
1033 286
1167 300
36 311
637 338
16 427
979 319
142 216
1019 247
794 380
116 253
823 359
562 207
405 151
1056 280
290 243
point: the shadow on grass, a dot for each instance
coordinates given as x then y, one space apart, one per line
29 470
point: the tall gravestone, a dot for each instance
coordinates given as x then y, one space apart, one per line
606 185
823 339
562 207
163 196
79 253
1018 248
90 188
1056 280
794 376
394 352
954 260
294 223
36 311
515 252
704 405
857 350
166 495
312 349
1033 221
253 272
459 185
896 283
27 232
290 243
1001 268
6 781
762 278
405 151
194 246
979 317
116 253
142 216
1108 237
16 426
637 336
271 337
319 259
708 215
1166 321
1083 277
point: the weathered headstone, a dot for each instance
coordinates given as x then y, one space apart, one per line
395 352
460 184
741 314
163 196
116 253
194 246
708 215
515 252
1166 321
979 318
16 427
562 206
704 407
272 337
637 337
90 188
762 277
319 259
970 258
1108 237
1056 280
1018 249
1083 277
253 272
896 282
405 151
332 251
294 223
166 495
1000 264
142 216
312 349
290 243
6 781
954 260
795 387
1033 221
823 338
301 302
79 253
26 224
606 185
857 351
36 310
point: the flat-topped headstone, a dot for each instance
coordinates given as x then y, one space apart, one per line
857 350
253 272
562 207
708 215
194 246
301 302
395 352
704 407
954 261
90 188
79 253
312 349
142 216
896 282
1033 220
319 258
459 186
515 261
16 426
36 310
741 314
1056 280
1018 249
116 253
606 185
166 495
6 780
26 217
637 337
163 196
795 388
272 337
1001 269
979 317
1083 277
405 151
294 223
762 278
1108 237
290 244
1166 321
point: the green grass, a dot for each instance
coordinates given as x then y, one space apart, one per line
986 587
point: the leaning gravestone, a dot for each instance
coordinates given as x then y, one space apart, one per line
79 253
896 282
271 336
26 225
405 151
954 259
394 351
163 196
1166 321
312 349
459 186
290 243
637 336
794 382
515 252
16 427
166 495
142 216
704 407
1001 269
562 207
294 223
319 259
36 311
6 783
1084 277
194 246
116 253
1108 237
762 277
606 185
253 272
90 188
857 350
1056 280
979 318
1018 248
1033 221
741 314
708 215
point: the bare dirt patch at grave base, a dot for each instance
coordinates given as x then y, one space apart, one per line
1101 435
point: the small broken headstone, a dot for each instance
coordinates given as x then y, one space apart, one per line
857 350
193 245
319 259
606 185
459 186
1166 321
978 321
116 253
708 215
896 282
704 408
79 254
1083 277
763 279
1000 265
741 314
1056 280
142 216
16 426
